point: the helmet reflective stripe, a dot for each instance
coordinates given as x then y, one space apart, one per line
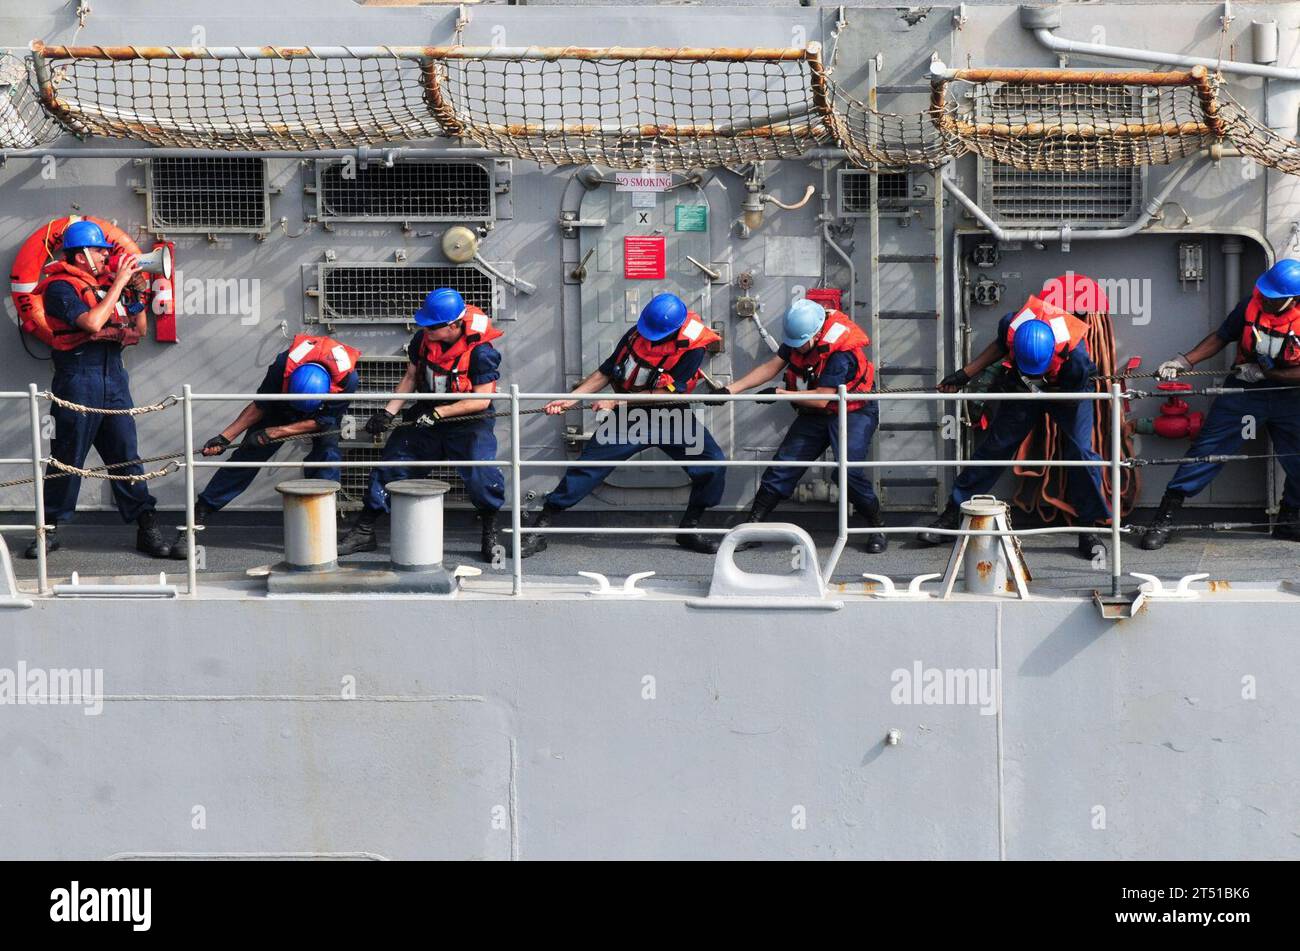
341 359
1059 329
300 351
835 333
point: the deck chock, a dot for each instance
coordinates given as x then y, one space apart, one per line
1154 590
8 582
1118 607
888 592
78 590
732 587
605 590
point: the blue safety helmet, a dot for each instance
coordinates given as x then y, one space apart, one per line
440 308
664 315
802 321
1281 280
84 234
310 378
1034 344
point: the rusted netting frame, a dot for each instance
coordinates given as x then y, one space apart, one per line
432 61
1197 78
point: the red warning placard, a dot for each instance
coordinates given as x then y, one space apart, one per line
643 258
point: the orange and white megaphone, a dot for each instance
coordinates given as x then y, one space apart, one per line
157 262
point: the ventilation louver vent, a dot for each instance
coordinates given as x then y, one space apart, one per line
404 191
391 293
207 195
855 190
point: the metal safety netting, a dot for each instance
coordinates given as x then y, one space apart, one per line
645 107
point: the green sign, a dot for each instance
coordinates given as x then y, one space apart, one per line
691 218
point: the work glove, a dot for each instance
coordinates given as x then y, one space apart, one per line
378 422
957 380
258 437
430 418
770 391
1249 372
1170 369
216 445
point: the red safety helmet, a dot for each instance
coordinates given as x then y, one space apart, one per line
1076 294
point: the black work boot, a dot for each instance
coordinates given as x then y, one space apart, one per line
51 543
949 518
1160 530
704 544
148 538
361 536
764 502
532 544
488 542
1287 525
869 517
180 544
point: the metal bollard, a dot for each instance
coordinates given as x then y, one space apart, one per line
310 529
985 568
416 506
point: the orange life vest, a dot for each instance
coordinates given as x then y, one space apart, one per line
1276 336
838 335
119 329
1069 330
641 364
446 370
338 359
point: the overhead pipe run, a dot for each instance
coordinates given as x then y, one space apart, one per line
1041 21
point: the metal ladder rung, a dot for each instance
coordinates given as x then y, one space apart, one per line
905 259
908 315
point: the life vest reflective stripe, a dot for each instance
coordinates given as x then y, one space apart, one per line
447 370
1276 336
641 364
338 359
1069 331
88 287
838 335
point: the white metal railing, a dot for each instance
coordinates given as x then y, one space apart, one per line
1114 396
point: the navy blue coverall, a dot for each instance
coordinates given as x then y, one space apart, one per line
812 432
1014 421
707 482
450 439
226 485
1225 424
92 375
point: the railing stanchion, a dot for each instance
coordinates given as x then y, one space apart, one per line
38 489
842 469
191 561
516 494
1116 493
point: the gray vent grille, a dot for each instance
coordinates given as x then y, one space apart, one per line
855 190
376 375
391 293
207 195
404 191
356 481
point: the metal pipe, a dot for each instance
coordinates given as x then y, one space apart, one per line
516 496
1060 45
1116 495
38 489
1149 212
362 154
1231 248
842 510
191 546
547 53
